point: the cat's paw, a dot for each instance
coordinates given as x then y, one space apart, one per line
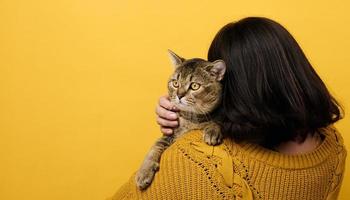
146 173
212 137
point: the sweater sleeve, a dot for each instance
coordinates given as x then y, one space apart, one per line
183 174
338 169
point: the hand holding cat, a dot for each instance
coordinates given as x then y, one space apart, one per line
167 116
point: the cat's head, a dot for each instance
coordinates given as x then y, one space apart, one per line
195 85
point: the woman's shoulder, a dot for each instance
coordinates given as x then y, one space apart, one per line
190 165
213 165
192 147
190 136
192 144
187 171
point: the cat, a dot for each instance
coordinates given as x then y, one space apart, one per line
195 89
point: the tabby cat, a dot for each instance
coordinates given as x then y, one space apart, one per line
195 89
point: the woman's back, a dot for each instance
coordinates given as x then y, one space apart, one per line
271 96
190 169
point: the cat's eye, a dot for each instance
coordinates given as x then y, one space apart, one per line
175 84
195 86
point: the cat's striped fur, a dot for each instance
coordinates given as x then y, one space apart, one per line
195 89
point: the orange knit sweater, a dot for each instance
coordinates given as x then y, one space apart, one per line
190 169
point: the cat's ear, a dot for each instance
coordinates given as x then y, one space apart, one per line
217 69
175 59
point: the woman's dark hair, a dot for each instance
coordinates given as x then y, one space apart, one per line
271 93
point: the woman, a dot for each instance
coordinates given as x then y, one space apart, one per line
277 116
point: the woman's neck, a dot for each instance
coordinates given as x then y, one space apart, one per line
294 148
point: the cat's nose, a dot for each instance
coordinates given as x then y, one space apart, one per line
181 93
180 96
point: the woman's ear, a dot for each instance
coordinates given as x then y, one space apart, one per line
175 59
218 69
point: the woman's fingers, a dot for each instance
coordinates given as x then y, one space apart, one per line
165 103
166 130
165 114
167 123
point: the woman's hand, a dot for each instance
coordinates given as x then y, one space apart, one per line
167 117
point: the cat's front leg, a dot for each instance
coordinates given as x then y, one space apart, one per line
145 174
212 134
150 165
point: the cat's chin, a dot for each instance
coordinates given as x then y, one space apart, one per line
183 107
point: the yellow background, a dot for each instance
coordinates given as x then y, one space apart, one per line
79 81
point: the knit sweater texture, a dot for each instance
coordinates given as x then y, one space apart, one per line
191 169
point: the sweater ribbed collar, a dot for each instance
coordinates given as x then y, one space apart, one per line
270 157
